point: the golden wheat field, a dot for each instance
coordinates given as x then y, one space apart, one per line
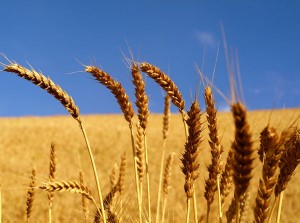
25 143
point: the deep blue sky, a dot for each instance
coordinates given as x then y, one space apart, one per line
52 35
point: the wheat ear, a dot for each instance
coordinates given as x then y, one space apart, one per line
166 184
30 194
269 156
52 170
288 162
226 178
55 90
121 181
123 100
165 131
70 186
190 163
85 207
169 87
242 159
215 168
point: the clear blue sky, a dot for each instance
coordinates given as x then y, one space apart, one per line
51 35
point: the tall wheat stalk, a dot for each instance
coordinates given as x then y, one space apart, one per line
190 163
55 90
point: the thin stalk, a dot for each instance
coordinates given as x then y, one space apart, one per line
185 125
207 213
148 176
188 210
94 169
50 215
135 172
272 210
219 200
279 207
160 181
237 214
164 210
195 207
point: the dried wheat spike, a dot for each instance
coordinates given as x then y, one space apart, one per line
140 153
190 163
166 117
52 170
47 84
288 162
85 207
165 82
244 207
113 176
215 168
122 173
71 186
242 147
271 150
231 212
30 194
167 174
140 95
226 177
116 88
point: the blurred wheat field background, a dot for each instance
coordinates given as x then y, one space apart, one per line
25 142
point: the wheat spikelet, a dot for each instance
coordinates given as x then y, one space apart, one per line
140 95
116 88
122 173
166 117
85 207
190 164
215 168
226 177
30 194
47 84
271 152
244 207
288 162
165 82
140 153
113 175
52 170
242 147
167 174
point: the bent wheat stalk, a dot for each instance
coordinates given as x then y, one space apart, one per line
55 90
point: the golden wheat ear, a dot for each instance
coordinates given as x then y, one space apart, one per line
215 168
270 152
190 163
30 194
243 154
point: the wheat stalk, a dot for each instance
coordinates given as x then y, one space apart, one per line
190 163
52 170
215 168
55 90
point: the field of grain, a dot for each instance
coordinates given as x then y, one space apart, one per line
25 143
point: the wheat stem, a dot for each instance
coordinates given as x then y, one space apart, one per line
279 207
94 169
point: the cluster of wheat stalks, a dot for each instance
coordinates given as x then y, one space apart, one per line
279 153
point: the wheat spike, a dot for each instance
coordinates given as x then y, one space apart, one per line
242 147
226 177
190 163
288 162
116 88
52 170
215 168
166 117
165 82
140 95
271 152
47 84
140 153
167 174
85 207
30 194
